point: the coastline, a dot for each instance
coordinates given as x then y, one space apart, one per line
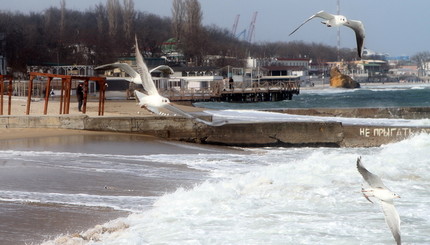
30 222
366 84
49 221
62 182
126 117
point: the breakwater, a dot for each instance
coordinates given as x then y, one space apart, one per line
371 112
309 133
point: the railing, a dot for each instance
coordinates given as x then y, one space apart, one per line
42 89
265 86
218 88
188 94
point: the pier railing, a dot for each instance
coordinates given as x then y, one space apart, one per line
220 88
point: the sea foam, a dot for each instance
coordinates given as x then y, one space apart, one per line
288 196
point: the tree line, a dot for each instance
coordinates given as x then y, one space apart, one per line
105 32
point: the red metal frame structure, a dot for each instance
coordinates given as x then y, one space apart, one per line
2 79
66 88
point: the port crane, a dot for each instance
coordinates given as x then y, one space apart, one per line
248 35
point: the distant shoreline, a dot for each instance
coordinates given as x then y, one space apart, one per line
369 84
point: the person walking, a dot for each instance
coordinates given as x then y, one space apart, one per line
80 95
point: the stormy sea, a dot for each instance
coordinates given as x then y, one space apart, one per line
127 189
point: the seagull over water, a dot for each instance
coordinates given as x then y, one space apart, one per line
338 20
380 191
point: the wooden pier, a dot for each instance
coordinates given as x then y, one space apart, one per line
239 92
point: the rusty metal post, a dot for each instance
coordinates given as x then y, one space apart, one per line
84 105
63 81
100 97
68 94
104 99
9 105
30 90
48 85
102 85
1 91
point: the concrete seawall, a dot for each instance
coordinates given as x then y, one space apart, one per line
332 134
390 112
184 129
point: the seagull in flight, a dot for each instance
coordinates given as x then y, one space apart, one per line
134 76
338 20
380 191
152 100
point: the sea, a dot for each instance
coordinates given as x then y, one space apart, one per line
124 189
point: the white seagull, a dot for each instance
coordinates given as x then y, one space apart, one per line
380 191
337 20
134 76
152 100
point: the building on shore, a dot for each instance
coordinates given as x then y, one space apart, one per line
207 83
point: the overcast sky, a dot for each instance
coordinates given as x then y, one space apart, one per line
396 27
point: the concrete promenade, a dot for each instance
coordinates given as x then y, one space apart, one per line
330 134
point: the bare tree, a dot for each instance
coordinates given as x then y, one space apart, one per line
100 12
178 18
128 18
63 19
194 36
113 12
36 38
193 22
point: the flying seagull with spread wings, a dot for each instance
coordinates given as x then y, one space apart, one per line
134 76
385 196
152 100
338 20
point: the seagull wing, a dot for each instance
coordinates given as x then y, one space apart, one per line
147 82
176 111
358 28
124 67
392 219
320 14
372 179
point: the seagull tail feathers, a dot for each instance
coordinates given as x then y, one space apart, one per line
139 97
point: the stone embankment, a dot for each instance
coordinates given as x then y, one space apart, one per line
309 133
390 112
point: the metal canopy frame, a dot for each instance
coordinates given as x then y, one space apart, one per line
66 88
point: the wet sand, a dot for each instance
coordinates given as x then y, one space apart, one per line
28 222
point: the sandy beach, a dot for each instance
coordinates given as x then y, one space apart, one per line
112 107
30 220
